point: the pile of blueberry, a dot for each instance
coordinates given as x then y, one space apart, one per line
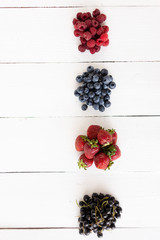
96 88
98 213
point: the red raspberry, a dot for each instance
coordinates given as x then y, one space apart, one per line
91 43
100 31
76 25
76 33
84 16
99 42
79 15
97 48
87 35
106 43
96 12
104 37
83 41
89 15
92 50
95 23
101 18
82 26
82 48
93 31
106 29
74 21
88 23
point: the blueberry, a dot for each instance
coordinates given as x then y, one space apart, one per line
104 92
90 102
107 104
104 72
81 231
76 93
107 97
101 101
79 79
84 107
91 94
96 106
86 90
105 86
107 79
85 97
98 92
108 91
95 78
90 69
85 74
97 71
81 99
90 86
112 85
97 85
99 234
96 99
80 90
101 108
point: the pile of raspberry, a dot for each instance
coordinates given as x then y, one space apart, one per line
90 30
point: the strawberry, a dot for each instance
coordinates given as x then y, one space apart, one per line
92 131
84 162
104 137
114 135
91 149
101 161
79 143
112 151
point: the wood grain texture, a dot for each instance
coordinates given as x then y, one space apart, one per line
35 90
33 35
132 234
48 144
49 200
77 3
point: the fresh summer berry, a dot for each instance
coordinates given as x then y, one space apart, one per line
104 137
104 37
92 50
91 43
91 150
99 42
117 153
107 104
101 108
76 33
90 69
106 43
74 21
101 18
97 48
96 12
79 143
83 40
100 31
105 28
93 31
84 16
114 135
101 161
84 107
92 131
87 35
88 22
95 23
81 48
112 85
82 26
84 162
79 15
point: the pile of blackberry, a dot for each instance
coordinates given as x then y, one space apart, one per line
98 213
96 88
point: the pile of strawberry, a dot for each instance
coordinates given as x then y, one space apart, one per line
99 146
90 30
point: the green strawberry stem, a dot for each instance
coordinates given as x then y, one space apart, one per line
81 164
93 143
111 131
110 150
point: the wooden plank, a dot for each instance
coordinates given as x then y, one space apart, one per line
48 144
77 3
45 40
49 200
143 234
47 89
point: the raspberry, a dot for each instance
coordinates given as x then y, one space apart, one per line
83 41
87 35
99 42
89 15
96 12
82 26
79 15
97 48
93 31
106 43
74 21
88 23
100 31
101 18
91 43
76 33
104 37
76 25
106 29
84 16
95 23
81 48
92 50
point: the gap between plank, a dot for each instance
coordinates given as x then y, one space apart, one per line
94 6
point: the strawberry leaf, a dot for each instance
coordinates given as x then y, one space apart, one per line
93 143
110 164
110 150
81 164
111 131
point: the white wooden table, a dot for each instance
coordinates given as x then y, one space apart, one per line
40 118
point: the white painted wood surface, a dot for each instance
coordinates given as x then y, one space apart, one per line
39 60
